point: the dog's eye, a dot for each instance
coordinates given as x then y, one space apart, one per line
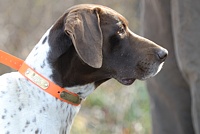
121 30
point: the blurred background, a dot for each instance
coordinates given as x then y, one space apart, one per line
112 108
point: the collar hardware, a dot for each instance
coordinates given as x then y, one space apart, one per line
38 80
66 96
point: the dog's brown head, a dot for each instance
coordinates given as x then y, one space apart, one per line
92 43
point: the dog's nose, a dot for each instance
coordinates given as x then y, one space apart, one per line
162 54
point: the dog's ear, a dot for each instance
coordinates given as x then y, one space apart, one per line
83 27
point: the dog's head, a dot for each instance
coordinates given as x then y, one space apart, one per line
91 43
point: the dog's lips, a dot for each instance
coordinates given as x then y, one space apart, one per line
126 81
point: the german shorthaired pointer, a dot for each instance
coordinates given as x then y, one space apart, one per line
88 45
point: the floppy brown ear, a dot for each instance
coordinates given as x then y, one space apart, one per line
83 26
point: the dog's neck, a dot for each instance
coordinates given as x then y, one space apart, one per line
38 60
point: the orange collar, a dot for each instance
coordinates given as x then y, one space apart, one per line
39 80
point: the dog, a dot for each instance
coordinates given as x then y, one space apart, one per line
88 45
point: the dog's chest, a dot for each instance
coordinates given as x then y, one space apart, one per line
27 109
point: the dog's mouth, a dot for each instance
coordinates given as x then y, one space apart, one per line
126 81
144 73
